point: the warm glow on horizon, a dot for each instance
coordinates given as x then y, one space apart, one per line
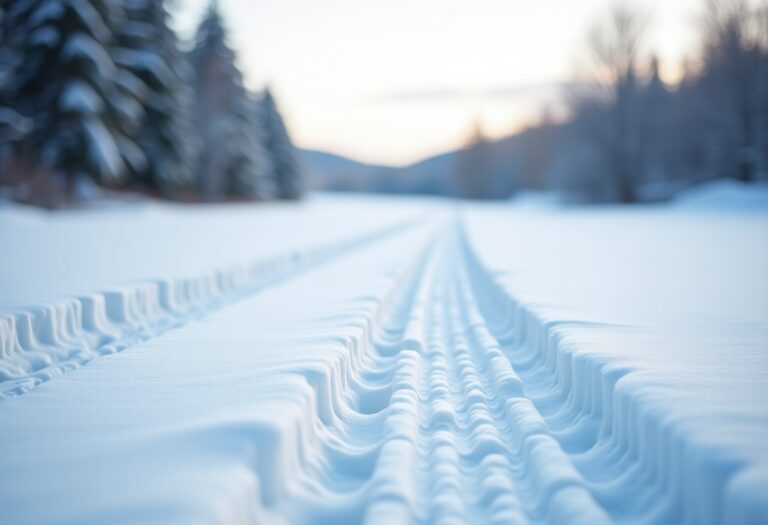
394 81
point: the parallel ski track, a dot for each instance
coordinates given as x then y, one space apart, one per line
446 412
450 404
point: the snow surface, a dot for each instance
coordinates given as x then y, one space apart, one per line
352 359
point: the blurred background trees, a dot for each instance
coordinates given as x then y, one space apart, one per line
150 50
735 80
286 172
80 107
233 160
100 95
627 135
479 174
632 138
100 92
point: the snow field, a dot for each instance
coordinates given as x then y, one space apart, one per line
459 367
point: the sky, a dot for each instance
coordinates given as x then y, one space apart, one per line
395 81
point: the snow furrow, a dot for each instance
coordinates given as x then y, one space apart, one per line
458 444
375 392
41 342
482 427
604 434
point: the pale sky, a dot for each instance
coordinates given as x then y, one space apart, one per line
394 81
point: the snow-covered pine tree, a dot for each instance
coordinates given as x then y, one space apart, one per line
231 160
287 172
81 106
12 125
257 181
148 48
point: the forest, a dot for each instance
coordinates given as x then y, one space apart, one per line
628 135
101 95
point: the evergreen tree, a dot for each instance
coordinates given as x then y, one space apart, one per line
149 49
263 185
81 106
285 163
12 125
232 161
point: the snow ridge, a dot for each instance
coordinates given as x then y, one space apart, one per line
44 341
451 403
459 435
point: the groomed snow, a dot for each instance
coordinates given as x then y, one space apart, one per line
362 360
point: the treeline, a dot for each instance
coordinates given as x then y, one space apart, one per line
629 136
101 93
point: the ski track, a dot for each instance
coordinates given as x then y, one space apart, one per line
450 403
461 442
42 342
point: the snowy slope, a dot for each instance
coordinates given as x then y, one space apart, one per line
385 361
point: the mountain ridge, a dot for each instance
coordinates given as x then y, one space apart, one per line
525 159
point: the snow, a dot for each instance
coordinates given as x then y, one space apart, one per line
147 61
46 12
357 359
79 97
132 85
46 36
102 149
729 194
84 47
88 14
137 30
13 124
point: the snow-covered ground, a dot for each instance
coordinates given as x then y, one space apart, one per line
370 360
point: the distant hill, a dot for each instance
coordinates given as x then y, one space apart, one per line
328 171
525 157
332 172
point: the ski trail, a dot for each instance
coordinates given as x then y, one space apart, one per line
438 400
460 442
43 342
466 437
544 475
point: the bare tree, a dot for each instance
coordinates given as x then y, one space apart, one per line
631 137
606 105
476 170
615 45
736 80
